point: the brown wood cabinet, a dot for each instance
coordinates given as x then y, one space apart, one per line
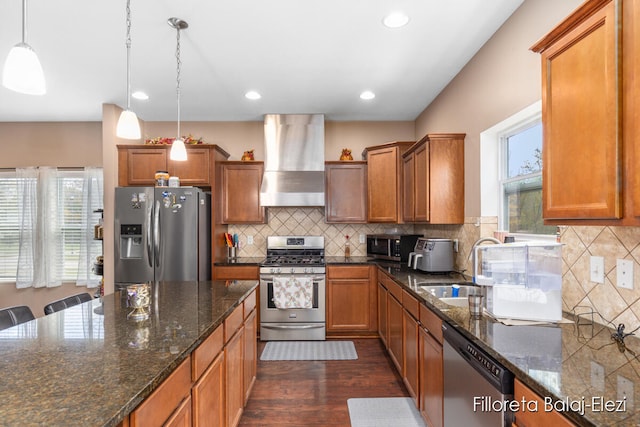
351 300
207 370
182 416
395 320
433 187
383 330
234 377
410 354
346 192
137 164
165 400
236 272
591 134
250 356
541 417
431 394
384 181
240 191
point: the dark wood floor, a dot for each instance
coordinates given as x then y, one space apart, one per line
309 393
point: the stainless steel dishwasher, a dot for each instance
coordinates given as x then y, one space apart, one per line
477 388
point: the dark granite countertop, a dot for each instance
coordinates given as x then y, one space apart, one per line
244 260
89 365
351 260
577 364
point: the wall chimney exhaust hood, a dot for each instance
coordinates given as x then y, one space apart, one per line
294 160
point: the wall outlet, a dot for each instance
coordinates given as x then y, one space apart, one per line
597 269
624 273
362 238
249 240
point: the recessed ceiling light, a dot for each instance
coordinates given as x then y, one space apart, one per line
367 95
140 95
395 20
253 95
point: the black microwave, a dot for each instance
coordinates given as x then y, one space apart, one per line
393 247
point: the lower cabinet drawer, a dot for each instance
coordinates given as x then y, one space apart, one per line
206 352
158 407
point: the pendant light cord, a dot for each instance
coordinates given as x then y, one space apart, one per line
178 64
128 44
24 21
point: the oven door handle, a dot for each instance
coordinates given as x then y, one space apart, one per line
292 327
270 279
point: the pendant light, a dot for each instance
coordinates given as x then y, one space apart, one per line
22 70
128 126
178 150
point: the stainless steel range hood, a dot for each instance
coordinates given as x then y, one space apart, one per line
294 160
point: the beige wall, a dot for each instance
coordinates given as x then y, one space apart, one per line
61 144
500 80
236 137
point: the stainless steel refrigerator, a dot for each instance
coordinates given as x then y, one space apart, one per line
162 233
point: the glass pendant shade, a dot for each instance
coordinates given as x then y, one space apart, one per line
22 71
128 125
178 150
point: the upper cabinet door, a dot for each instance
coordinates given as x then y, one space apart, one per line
138 166
196 170
346 192
138 163
241 183
384 181
582 115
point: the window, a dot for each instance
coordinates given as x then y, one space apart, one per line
521 179
65 209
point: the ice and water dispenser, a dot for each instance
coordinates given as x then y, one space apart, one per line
131 241
521 280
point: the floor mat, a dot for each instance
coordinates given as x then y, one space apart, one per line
384 412
309 350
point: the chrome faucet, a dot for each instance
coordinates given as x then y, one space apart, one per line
472 254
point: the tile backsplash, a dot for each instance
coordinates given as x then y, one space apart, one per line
609 302
308 222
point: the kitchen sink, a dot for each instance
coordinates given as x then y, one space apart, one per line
444 293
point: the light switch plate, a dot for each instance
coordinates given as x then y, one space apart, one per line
597 269
625 390
362 238
597 376
624 273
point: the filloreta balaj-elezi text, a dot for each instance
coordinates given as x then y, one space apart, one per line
580 406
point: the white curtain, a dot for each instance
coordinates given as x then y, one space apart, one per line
92 192
39 231
42 253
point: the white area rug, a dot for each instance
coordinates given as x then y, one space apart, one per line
384 412
309 350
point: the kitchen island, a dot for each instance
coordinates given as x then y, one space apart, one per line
89 365
575 367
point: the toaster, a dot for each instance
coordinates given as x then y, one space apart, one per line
432 255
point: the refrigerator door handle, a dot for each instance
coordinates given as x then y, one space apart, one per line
148 230
156 233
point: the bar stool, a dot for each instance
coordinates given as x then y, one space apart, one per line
63 303
12 316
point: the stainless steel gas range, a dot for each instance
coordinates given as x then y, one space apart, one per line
292 289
